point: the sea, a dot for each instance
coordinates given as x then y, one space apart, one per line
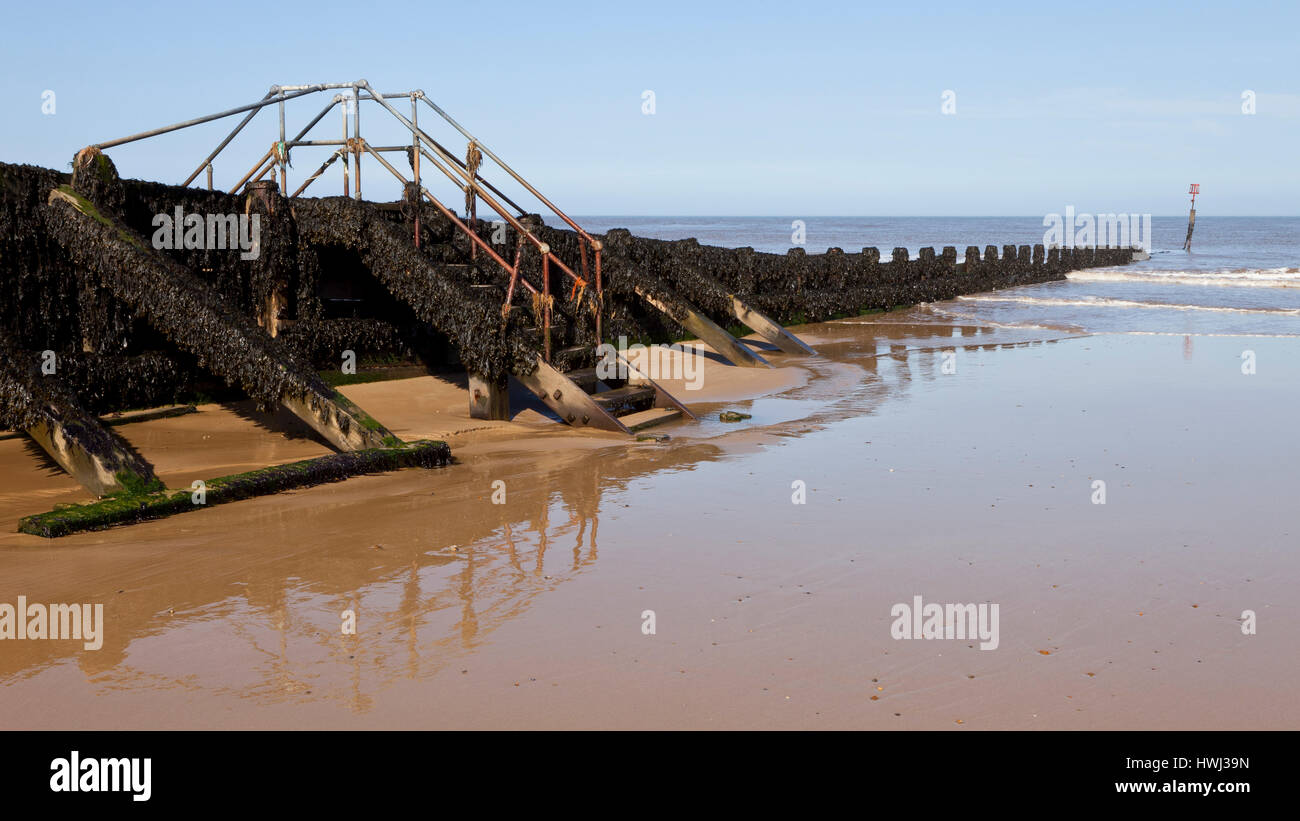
1240 278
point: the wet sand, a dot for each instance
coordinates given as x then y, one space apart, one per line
973 486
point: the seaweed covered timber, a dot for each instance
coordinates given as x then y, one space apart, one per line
337 274
156 503
123 294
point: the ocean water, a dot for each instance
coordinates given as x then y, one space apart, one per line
1241 278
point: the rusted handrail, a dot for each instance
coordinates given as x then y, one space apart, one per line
423 146
519 179
513 270
584 238
542 246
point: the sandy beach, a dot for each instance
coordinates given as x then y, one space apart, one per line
975 485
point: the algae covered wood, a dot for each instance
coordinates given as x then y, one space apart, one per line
102 470
137 507
242 353
707 331
51 415
769 330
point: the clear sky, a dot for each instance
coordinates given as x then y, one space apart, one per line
760 108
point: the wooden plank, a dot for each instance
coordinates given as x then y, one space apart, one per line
709 332
342 423
489 398
663 399
338 420
101 473
769 329
93 455
649 418
568 400
125 418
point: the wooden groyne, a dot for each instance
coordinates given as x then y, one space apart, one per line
140 294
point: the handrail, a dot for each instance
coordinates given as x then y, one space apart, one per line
596 244
265 101
542 246
512 270
519 179
423 146
438 204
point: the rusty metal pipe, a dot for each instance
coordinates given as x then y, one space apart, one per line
449 214
489 186
546 308
519 179
468 181
319 171
496 206
253 170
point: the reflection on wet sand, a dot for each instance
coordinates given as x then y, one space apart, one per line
430 574
422 593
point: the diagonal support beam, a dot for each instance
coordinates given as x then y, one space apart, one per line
706 330
562 395
769 329
93 455
137 274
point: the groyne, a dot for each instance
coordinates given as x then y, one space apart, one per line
122 294
342 275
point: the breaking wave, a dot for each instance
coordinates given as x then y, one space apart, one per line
1103 302
1230 277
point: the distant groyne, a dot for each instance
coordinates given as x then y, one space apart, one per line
798 287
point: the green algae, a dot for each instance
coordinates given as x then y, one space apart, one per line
156 503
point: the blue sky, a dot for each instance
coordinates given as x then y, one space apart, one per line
760 108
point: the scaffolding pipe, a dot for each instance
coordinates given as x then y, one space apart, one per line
319 171
224 143
511 172
450 215
200 120
492 203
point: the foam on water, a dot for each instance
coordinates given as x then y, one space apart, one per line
1237 278
1095 302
